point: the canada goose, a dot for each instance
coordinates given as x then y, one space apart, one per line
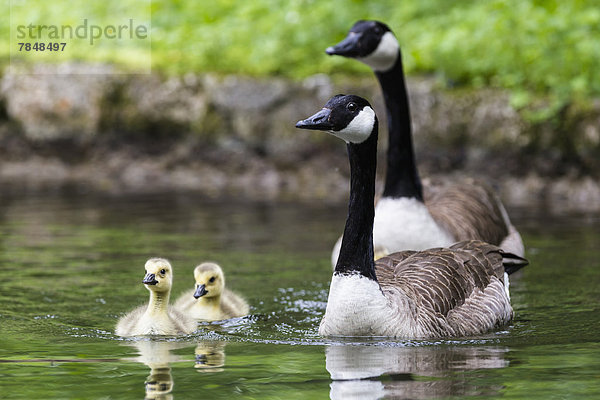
409 216
456 291
156 318
210 300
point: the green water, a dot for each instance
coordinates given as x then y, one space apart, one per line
70 265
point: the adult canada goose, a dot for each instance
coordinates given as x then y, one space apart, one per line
409 216
210 300
456 291
156 318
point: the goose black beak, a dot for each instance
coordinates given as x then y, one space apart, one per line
317 122
349 47
200 291
150 279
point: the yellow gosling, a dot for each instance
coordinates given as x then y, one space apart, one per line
156 318
210 300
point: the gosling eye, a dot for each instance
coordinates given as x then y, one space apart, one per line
163 271
351 106
212 279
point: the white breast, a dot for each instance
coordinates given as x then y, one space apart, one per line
356 307
402 224
406 224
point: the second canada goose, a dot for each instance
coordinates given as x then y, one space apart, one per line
409 215
210 300
456 291
156 318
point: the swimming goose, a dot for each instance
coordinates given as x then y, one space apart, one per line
456 291
409 215
210 300
156 318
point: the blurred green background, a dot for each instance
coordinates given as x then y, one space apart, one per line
534 48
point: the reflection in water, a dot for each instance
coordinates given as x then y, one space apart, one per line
353 368
159 384
209 357
67 242
157 355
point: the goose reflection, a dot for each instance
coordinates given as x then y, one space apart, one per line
210 356
157 355
354 367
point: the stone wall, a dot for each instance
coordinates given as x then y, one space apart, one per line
87 125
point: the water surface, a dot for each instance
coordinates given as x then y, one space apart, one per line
72 264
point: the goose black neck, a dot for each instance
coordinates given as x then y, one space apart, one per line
356 252
402 177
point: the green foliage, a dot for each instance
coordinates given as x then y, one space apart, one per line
546 47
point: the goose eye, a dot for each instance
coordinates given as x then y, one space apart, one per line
352 107
163 271
212 279
377 29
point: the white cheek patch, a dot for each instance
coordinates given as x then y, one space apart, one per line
359 129
385 55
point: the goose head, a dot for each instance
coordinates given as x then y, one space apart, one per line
210 280
159 275
371 42
348 117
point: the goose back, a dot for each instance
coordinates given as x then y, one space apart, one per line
456 291
467 210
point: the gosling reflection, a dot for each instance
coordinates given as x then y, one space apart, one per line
157 355
159 384
210 356
353 368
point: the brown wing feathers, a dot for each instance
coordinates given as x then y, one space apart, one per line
467 210
442 279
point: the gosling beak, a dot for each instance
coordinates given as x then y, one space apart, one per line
317 122
349 47
200 291
150 279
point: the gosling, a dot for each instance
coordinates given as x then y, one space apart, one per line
156 318
210 300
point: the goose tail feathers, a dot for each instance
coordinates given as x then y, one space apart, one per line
512 263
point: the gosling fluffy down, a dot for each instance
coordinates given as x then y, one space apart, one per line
210 300
156 317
